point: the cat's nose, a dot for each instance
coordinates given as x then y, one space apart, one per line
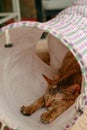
48 104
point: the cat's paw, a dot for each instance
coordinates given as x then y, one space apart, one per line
26 110
46 118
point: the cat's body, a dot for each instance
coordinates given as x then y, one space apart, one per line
61 92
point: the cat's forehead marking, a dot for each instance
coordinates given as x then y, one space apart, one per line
52 91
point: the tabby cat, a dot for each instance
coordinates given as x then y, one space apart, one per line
61 93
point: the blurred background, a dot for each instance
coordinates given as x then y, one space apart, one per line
34 10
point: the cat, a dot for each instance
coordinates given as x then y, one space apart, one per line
61 92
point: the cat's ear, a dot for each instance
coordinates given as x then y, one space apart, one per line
49 81
75 89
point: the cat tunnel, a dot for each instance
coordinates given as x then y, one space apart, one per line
21 69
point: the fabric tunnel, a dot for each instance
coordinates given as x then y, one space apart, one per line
21 80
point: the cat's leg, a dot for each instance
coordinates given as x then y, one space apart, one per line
28 110
51 115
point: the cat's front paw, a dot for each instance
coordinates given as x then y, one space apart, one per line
46 117
26 110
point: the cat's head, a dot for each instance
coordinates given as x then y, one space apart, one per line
52 95
48 96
